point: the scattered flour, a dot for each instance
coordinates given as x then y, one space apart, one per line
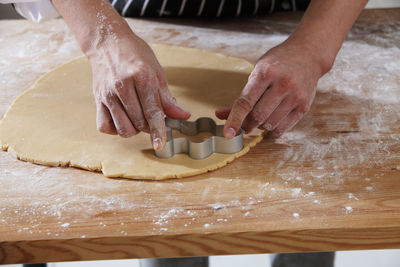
351 196
164 217
217 206
296 192
349 209
319 151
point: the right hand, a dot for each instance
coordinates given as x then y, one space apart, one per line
131 90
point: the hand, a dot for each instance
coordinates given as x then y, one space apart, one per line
131 90
129 85
279 92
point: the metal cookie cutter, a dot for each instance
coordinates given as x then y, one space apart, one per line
215 144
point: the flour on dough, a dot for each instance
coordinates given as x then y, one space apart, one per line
54 122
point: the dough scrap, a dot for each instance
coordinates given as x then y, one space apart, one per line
53 123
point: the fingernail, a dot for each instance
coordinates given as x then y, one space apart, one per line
230 133
157 144
181 108
268 127
187 113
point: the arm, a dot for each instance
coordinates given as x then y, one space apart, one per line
129 85
282 85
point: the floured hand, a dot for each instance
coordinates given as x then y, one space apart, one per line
129 85
279 92
131 90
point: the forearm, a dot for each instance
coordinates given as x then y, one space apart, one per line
324 27
94 23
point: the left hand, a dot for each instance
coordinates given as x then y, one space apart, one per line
279 92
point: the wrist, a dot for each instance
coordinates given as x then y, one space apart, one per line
320 54
105 37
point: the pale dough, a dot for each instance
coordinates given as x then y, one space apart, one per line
53 123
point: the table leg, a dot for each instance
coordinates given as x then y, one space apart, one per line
35 265
175 262
318 259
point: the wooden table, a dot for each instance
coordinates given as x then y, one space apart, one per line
332 183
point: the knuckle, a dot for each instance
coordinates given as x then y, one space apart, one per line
244 103
142 74
118 85
107 97
256 75
299 98
260 74
153 113
127 135
124 132
157 117
102 128
264 71
162 80
140 124
167 99
258 116
287 82
120 88
303 109
105 127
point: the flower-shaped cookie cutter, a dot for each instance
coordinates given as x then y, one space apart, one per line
215 144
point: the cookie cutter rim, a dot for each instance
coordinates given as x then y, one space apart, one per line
199 150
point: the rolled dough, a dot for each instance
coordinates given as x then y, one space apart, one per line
53 123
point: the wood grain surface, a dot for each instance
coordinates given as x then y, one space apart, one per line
331 183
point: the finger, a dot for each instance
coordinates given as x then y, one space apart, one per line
121 120
223 113
270 100
280 113
172 109
130 101
153 112
289 122
168 102
251 93
104 120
